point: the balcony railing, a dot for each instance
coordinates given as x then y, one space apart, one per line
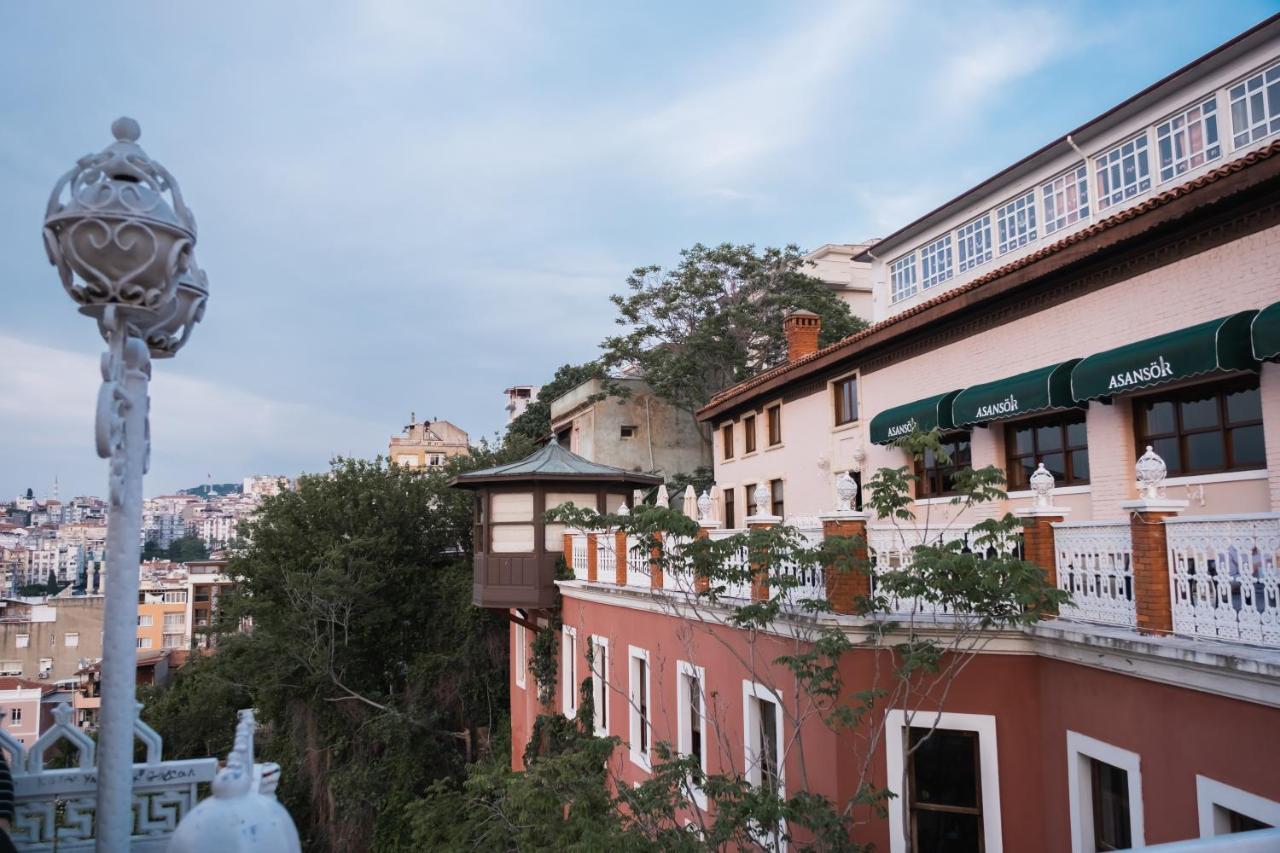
1095 564
1225 578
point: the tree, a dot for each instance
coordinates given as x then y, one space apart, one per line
184 549
51 585
372 672
923 624
534 423
716 319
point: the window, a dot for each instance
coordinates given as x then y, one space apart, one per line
846 400
726 435
173 641
730 511
1066 199
1123 172
1104 790
176 597
600 685
24 641
692 707
762 721
1255 107
1225 810
627 431
944 783
144 642
1016 223
511 524
11 667
936 476
1189 139
1205 429
46 665
638 699
902 278
175 620
749 434
71 641
1059 441
145 621
973 242
519 658
935 262
773 415
749 498
776 506
15 715
569 665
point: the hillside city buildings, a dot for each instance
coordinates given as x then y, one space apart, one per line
427 443
518 399
1101 321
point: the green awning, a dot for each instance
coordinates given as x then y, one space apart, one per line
1266 333
1033 391
924 415
1204 348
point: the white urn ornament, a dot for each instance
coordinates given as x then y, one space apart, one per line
1042 483
761 499
846 492
1151 472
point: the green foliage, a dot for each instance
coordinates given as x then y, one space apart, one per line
534 423
716 318
51 585
182 550
543 663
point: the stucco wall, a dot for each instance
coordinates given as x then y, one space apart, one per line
81 616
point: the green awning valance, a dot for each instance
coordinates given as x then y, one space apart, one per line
1033 391
924 415
1266 333
1204 348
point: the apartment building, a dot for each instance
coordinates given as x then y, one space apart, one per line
22 713
518 399
840 266
1105 310
427 443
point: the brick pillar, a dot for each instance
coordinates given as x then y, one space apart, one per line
701 584
592 557
844 588
1038 543
1151 584
567 551
655 562
759 570
620 558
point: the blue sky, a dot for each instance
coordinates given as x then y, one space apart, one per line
411 206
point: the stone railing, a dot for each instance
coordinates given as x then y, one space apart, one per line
1225 577
606 557
578 556
1094 563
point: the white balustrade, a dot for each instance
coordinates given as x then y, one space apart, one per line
1224 577
811 580
639 572
1095 564
891 548
606 558
578 558
677 573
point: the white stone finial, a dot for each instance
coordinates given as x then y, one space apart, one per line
1042 482
761 499
846 492
1151 472
704 506
126 129
623 510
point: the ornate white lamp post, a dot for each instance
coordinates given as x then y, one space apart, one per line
122 240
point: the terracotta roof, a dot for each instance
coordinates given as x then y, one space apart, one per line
9 682
850 343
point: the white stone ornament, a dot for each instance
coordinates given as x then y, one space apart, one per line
663 500
622 510
846 492
1042 483
243 815
761 499
704 506
1151 472
859 456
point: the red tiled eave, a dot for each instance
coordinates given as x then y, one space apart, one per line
740 393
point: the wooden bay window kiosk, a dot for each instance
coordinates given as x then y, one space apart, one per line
516 549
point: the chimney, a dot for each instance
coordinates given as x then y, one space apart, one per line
801 328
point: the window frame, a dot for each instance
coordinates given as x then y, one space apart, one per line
1211 794
937 262
970 240
1224 427
754 692
640 728
67 640
15 714
1061 420
839 397
726 441
903 278
773 424
1115 196
520 662
491 525
569 666
728 494
684 718
748 489
1022 232
928 477
1208 107
913 806
897 724
1243 84
1077 176
748 434
1081 748
777 498
600 684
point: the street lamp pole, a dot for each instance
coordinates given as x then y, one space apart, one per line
122 239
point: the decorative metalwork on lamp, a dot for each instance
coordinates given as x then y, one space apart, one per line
760 497
1042 482
704 506
1151 472
846 492
117 229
